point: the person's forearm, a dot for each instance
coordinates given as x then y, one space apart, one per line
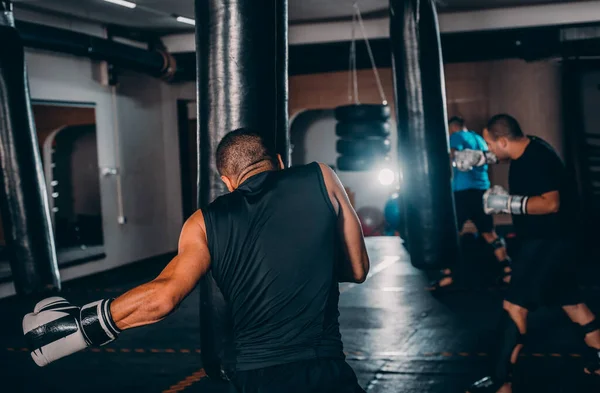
538 205
142 305
346 272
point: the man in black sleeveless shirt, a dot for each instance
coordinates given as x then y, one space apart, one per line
277 245
542 202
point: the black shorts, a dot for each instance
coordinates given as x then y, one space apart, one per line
469 206
316 375
544 274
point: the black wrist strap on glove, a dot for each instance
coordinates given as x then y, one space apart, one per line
517 204
97 323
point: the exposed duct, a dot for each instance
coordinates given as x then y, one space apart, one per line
157 63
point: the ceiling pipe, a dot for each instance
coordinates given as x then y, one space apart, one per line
157 63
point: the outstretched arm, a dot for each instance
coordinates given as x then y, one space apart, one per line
465 160
153 301
56 328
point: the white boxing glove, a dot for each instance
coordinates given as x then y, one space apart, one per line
497 200
465 160
56 328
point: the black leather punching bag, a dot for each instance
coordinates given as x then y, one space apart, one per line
242 82
423 148
24 201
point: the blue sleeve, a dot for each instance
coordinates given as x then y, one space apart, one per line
457 141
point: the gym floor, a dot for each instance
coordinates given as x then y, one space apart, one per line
397 336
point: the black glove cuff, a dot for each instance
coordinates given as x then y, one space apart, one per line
110 317
97 324
518 204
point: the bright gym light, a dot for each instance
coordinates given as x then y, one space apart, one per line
386 176
123 3
185 20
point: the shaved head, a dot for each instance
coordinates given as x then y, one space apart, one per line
242 149
504 125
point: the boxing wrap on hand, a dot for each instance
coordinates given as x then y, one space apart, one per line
497 200
56 328
465 160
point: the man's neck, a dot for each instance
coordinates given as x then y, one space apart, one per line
263 166
519 148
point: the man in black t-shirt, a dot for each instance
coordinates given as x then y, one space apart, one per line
543 206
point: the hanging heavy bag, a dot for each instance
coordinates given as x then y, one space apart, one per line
362 130
370 146
357 113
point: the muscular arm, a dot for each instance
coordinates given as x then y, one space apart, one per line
357 263
153 301
547 203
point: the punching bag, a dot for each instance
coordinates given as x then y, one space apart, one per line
24 202
423 148
242 82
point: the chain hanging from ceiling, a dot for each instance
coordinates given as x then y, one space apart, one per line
357 20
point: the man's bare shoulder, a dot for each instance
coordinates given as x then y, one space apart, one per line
331 179
195 222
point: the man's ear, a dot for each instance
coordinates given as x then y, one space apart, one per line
228 183
281 166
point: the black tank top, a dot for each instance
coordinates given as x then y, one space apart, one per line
273 246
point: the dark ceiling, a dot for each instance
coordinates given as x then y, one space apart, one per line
157 15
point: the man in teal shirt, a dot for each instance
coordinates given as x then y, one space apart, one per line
469 185
476 179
